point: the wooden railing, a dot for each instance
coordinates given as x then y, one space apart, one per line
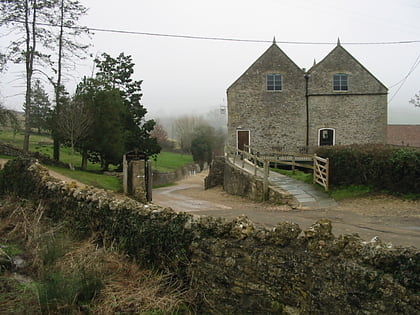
262 160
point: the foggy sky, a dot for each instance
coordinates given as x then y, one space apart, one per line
190 76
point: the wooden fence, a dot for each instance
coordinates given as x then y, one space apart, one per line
262 160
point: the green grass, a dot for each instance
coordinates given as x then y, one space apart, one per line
345 192
165 162
44 145
164 185
168 161
299 175
91 178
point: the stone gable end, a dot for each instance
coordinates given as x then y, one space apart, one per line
295 116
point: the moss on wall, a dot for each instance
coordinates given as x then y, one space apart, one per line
236 267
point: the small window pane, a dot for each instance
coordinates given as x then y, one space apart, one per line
340 82
274 82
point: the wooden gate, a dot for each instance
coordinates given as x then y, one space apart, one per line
321 171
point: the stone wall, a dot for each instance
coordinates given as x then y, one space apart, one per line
358 115
240 183
234 266
291 118
273 118
216 173
163 178
10 150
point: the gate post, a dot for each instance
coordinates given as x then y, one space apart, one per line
137 179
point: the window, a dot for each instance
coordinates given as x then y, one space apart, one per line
341 82
274 82
326 136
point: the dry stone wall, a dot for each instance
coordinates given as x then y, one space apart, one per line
237 182
163 178
235 267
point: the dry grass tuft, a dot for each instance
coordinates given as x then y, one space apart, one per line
127 288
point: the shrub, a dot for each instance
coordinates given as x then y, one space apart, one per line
379 166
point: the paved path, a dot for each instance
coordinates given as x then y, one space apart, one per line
307 195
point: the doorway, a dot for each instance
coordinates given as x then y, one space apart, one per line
243 139
326 136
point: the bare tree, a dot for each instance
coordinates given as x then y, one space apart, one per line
74 121
184 129
416 100
8 117
68 13
25 18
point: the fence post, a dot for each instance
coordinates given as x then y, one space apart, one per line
255 166
314 171
265 180
293 163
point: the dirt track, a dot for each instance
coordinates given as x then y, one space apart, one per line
391 219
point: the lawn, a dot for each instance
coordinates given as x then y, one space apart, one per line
169 161
91 178
165 161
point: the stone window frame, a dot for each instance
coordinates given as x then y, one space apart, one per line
279 83
340 87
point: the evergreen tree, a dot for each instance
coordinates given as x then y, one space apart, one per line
105 143
40 116
116 73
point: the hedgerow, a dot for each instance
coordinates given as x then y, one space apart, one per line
380 166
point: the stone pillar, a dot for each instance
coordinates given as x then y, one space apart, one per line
137 179
137 182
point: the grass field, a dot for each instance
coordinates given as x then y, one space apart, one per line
165 161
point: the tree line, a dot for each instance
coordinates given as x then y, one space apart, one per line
104 118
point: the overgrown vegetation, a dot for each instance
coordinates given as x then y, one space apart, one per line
63 275
380 167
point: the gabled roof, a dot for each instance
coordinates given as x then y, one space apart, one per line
338 50
272 50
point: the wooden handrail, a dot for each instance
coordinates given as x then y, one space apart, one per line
319 165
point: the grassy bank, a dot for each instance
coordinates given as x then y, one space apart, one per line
164 162
63 274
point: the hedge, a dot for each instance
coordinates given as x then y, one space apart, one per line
380 166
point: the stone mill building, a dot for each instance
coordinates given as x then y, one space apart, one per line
276 105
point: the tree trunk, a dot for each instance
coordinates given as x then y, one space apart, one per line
29 62
84 159
56 149
58 83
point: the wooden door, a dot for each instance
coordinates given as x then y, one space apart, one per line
243 139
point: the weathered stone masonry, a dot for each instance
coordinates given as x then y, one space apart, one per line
292 117
236 267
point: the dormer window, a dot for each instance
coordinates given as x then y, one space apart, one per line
274 82
341 82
